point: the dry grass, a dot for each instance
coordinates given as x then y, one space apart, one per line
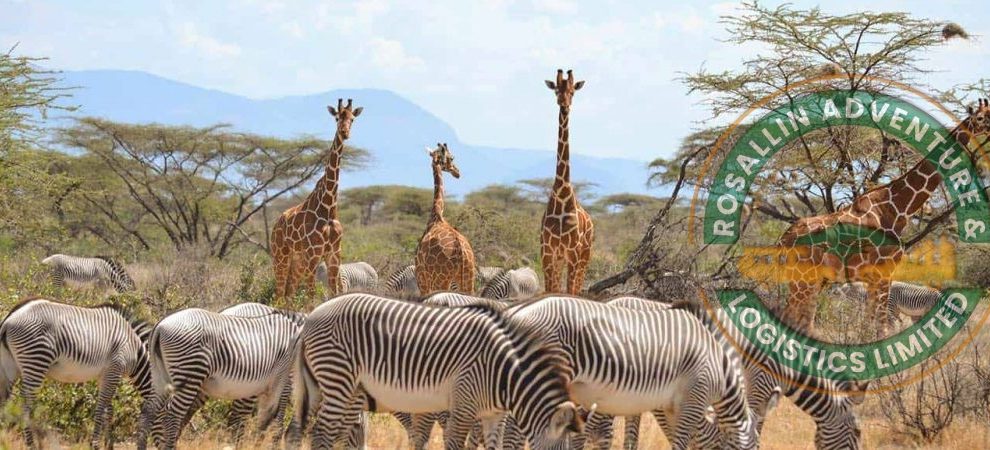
787 428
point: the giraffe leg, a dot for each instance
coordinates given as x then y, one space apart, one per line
465 282
877 312
308 274
332 258
801 306
292 276
576 270
282 265
551 272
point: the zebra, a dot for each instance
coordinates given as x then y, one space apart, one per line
829 402
43 338
418 428
422 359
242 354
614 353
512 284
912 300
355 276
101 270
403 283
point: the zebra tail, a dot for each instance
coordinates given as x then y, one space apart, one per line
304 393
159 374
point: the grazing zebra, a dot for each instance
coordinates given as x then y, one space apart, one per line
42 338
512 284
101 270
912 300
422 359
242 354
827 401
418 427
355 276
628 362
403 283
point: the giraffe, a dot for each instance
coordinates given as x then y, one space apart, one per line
882 212
567 233
310 232
444 257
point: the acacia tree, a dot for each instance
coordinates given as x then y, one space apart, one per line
822 170
28 189
194 185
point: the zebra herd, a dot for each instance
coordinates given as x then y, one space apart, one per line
550 371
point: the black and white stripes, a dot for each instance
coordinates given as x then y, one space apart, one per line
102 271
44 339
423 359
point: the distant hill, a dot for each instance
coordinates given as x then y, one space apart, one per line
394 129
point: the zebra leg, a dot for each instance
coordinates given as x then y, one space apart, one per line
690 416
630 438
338 394
104 404
600 430
177 409
34 367
512 438
240 410
458 426
421 426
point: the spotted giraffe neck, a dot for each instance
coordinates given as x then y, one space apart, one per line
436 214
563 176
923 179
323 199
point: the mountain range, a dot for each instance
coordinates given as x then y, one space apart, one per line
394 129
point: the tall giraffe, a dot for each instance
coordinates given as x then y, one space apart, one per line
310 232
882 212
567 233
444 256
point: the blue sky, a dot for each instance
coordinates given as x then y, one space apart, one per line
479 65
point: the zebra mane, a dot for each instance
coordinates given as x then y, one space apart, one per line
501 278
525 338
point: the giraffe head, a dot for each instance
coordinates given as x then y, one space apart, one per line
565 88
978 122
345 116
444 159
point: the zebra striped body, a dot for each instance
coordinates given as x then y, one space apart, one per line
403 283
513 284
356 276
826 401
423 359
628 362
102 271
418 428
912 300
197 353
70 344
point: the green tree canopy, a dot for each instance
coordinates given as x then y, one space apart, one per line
194 185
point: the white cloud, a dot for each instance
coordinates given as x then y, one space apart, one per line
555 6
391 54
292 28
209 46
